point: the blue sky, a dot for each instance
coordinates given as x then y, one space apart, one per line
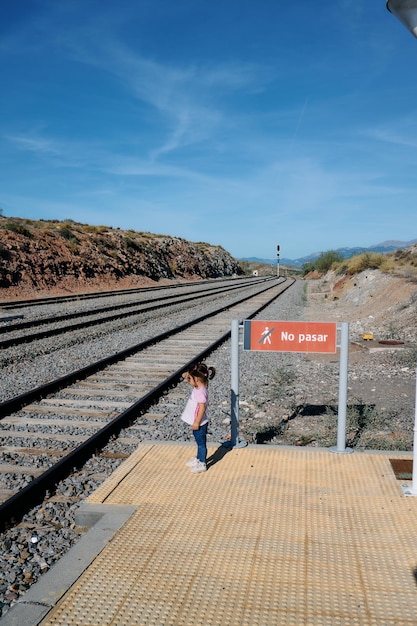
241 123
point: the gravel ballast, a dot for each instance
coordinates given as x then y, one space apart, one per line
285 398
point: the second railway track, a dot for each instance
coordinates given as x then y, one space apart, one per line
139 303
67 420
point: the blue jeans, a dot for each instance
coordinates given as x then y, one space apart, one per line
200 437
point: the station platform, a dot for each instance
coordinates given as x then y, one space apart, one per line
268 536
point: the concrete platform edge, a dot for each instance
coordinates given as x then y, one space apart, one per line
105 520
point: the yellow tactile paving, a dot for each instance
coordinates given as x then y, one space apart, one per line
267 537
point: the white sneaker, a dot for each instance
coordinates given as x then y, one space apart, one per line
198 467
192 462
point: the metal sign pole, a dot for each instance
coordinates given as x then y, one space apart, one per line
234 442
343 385
412 491
234 390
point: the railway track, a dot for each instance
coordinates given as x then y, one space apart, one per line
17 334
67 420
48 300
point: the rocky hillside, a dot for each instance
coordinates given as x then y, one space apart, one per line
54 256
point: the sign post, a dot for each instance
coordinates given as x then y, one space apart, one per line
412 490
343 384
235 441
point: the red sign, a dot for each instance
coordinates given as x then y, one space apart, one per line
290 336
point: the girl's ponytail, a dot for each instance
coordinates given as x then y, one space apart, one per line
200 370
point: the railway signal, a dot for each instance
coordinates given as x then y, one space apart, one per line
278 260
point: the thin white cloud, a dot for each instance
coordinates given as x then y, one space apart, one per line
188 98
134 167
395 137
34 143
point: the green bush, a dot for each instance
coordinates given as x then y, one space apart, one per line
323 263
15 227
132 245
68 234
355 264
86 228
365 261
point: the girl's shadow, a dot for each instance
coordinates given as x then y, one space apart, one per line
217 456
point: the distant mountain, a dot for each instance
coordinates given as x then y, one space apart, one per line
383 248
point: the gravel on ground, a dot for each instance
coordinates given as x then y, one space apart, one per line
285 399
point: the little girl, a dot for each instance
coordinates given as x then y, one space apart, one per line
195 414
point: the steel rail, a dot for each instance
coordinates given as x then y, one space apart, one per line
12 304
142 308
43 321
16 403
13 509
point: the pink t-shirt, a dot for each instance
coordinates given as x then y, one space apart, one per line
199 395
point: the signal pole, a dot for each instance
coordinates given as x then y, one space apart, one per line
278 261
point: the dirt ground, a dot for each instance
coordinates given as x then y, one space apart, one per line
382 369
372 302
